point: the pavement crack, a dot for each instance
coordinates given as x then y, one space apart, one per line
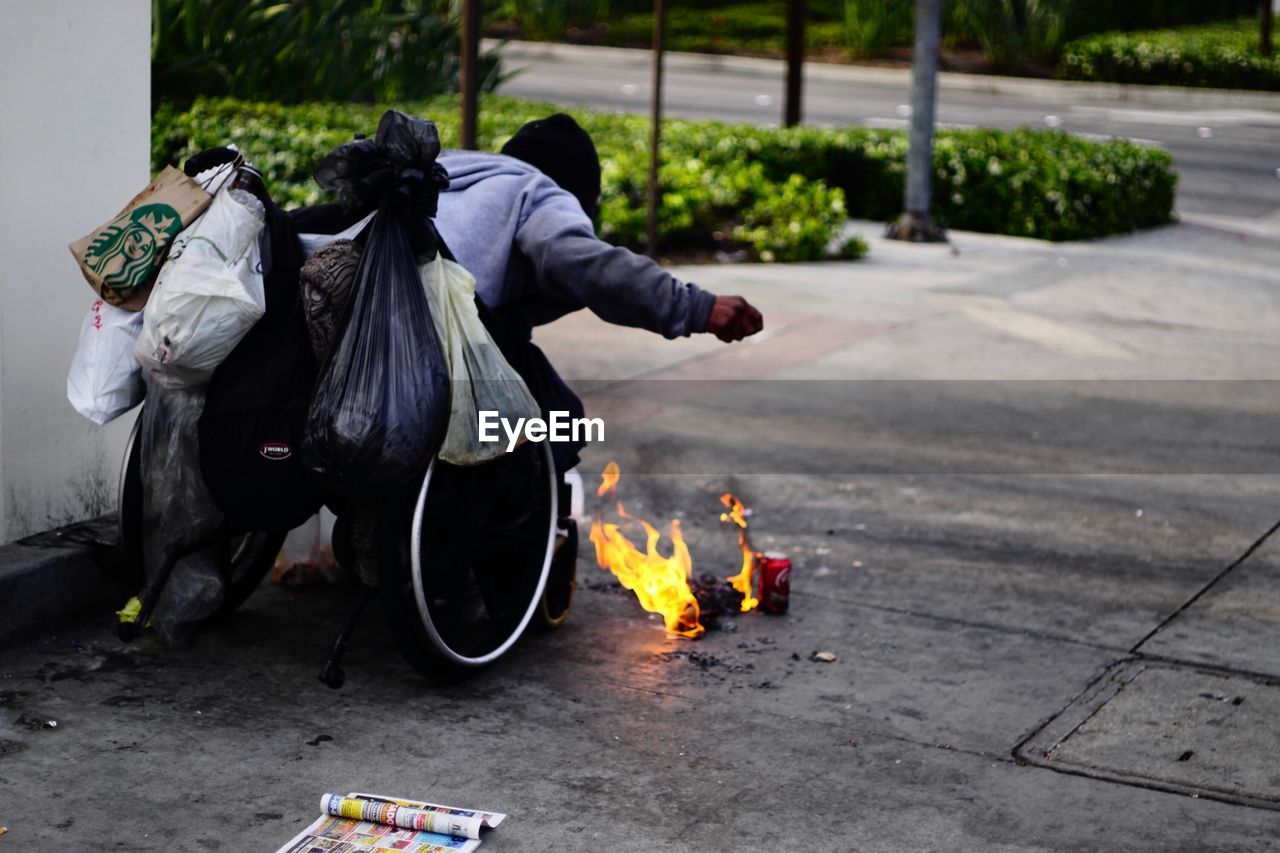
1239 561
862 731
1011 630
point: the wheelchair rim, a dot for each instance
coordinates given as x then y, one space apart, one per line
416 565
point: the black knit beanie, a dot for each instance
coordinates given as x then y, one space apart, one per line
559 148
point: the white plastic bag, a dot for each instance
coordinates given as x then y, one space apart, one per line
480 379
208 295
306 557
105 380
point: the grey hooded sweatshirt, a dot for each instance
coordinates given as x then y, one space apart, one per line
535 255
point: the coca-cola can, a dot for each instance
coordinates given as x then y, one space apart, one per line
774 571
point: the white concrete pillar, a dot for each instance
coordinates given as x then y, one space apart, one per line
75 129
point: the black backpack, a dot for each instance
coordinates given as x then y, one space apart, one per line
256 405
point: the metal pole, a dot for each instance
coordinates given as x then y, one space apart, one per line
916 222
795 60
469 70
659 39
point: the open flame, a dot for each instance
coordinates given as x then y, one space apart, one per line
660 583
743 580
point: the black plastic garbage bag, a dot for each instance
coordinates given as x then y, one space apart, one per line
382 400
177 511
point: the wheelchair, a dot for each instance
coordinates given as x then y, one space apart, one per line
463 559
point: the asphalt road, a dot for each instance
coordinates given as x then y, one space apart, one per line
1228 157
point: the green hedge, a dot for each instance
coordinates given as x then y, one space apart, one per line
1223 55
1083 17
783 194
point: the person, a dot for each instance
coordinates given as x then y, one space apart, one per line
521 221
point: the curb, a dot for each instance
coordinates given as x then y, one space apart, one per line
57 578
1048 91
1264 228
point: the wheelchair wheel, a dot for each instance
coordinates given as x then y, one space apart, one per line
463 568
247 557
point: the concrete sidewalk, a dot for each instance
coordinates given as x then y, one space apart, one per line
1195 301
1045 569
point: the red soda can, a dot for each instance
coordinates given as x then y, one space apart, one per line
774 570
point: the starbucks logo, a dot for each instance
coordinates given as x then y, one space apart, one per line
124 253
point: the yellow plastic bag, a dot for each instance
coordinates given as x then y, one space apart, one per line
130 611
480 378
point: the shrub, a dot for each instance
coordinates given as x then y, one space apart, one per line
306 50
1013 31
1049 184
781 192
1083 17
549 19
796 222
1009 31
1223 55
871 27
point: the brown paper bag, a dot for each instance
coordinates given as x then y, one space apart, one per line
120 259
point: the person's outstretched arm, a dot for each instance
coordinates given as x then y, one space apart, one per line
618 285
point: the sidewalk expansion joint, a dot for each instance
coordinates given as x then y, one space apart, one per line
1205 589
1257 675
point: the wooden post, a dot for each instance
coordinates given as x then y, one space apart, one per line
795 61
1267 10
469 70
659 40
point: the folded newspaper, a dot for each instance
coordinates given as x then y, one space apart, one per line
360 822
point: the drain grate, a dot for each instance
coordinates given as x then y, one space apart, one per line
1177 728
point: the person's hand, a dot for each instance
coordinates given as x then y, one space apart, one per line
733 318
